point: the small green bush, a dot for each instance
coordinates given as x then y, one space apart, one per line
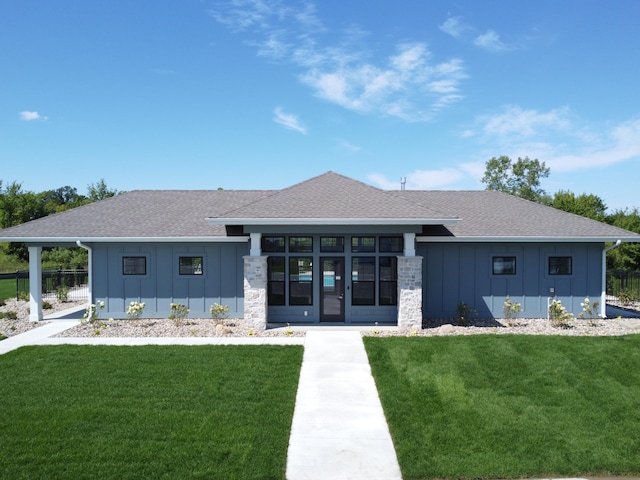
465 314
558 315
11 315
62 294
219 311
46 305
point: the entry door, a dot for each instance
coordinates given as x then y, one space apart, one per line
332 290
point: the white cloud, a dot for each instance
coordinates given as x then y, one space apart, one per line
514 121
30 116
621 144
490 41
454 26
350 147
558 138
407 85
288 120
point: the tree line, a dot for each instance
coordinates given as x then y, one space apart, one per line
523 177
19 206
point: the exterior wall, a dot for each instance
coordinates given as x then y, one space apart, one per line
221 281
462 272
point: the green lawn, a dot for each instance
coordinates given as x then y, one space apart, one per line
511 406
160 412
7 289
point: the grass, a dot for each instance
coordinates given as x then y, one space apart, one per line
511 406
7 289
160 412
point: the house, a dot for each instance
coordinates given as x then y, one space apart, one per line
329 249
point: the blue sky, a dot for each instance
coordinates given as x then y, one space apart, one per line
262 94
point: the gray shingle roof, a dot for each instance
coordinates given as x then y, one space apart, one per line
334 197
493 214
182 214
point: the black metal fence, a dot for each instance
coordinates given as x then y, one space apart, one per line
73 283
624 284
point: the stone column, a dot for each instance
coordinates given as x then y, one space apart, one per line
35 284
255 291
410 292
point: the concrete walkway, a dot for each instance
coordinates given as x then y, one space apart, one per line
339 430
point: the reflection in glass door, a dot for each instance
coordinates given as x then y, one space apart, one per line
332 290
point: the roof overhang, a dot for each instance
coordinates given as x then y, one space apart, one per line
332 221
452 239
234 239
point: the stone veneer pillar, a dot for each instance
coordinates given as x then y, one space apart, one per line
255 292
410 292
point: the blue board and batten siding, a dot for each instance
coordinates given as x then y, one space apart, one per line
221 280
462 272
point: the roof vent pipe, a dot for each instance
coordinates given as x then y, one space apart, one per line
403 182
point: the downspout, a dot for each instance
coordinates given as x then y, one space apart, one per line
90 269
603 299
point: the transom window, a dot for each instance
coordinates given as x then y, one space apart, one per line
363 244
273 244
190 265
301 244
332 244
134 265
391 244
560 265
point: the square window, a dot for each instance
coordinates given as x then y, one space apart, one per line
301 244
190 265
134 265
504 265
560 265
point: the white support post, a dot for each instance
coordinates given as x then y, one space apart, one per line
35 284
409 244
255 250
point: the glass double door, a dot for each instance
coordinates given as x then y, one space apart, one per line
332 290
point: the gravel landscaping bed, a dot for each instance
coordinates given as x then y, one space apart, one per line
208 327
10 327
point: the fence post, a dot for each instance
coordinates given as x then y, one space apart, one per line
17 286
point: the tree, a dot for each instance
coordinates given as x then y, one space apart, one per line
627 255
590 206
521 178
99 191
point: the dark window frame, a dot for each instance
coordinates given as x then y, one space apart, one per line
190 269
503 259
558 268
361 283
297 286
388 287
360 244
273 243
389 244
274 283
301 244
132 270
